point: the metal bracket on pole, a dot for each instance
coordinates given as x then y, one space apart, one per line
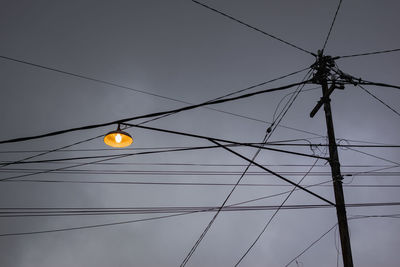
325 98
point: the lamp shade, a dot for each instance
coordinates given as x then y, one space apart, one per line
118 138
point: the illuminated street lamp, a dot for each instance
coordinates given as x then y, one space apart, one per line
118 138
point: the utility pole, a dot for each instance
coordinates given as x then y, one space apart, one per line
322 67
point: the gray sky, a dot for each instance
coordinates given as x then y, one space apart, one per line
183 51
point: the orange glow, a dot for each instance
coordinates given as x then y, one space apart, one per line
118 139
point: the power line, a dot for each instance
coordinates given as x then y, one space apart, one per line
283 98
88 78
192 250
364 173
230 143
369 53
152 119
156 118
122 121
161 96
42 153
60 148
130 221
380 186
357 81
92 226
333 22
395 216
274 173
155 129
149 152
107 158
221 140
137 90
51 212
363 82
222 164
123 222
380 100
267 135
274 143
374 156
273 216
285 109
252 27
312 244
195 172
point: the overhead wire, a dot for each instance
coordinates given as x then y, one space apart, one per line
395 216
46 152
152 119
358 81
58 181
130 88
150 115
203 164
11 212
374 172
380 100
104 158
272 217
274 143
130 125
221 140
192 250
336 237
231 143
277 120
132 221
252 27
364 82
161 96
265 139
369 53
213 173
333 22
283 98
374 156
154 129
122 222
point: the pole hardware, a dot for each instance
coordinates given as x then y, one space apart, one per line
325 72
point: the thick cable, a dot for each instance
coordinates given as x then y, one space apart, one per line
121 121
369 53
274 173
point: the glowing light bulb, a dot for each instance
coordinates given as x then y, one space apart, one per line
118 138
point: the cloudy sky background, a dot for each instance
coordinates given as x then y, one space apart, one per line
183 51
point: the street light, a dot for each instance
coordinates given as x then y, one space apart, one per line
118 138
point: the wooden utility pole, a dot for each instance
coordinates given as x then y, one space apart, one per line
322 67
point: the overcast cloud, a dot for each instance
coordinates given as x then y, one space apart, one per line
183 51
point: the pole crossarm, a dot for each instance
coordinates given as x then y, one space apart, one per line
272 172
